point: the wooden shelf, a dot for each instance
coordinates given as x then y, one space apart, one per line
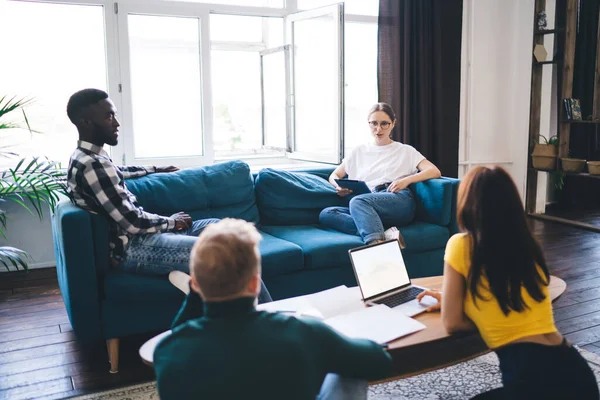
548 31
546 62
583 121
582 174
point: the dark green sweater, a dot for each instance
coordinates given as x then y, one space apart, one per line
236 352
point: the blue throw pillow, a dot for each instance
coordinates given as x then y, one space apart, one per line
293 198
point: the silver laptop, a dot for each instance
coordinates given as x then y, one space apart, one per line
383 279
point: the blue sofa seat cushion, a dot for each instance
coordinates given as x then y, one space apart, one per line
279 256
123 287
215 191
323 248
293 198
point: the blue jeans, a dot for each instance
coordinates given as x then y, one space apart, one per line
336 387
161 253
369 213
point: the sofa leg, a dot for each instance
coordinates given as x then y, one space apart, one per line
112 346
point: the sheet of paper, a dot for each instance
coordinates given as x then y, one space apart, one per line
299 306
379 323
336 301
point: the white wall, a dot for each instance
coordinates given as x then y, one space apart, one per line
496 82
27 232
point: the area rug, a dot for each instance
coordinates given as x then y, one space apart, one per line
457 382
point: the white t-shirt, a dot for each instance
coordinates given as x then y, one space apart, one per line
379 164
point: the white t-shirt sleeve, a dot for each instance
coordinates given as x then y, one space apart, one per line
415 157
350 163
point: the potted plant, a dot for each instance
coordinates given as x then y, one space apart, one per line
33 183
544 154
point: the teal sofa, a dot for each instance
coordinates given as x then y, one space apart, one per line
298 255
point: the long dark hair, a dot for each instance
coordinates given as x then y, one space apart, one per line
490 210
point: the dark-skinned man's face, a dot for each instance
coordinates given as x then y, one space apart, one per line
101 119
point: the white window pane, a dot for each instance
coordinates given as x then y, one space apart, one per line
45 60
315 55
274 100
236 101
165 83
360 7
235 28
360 74
247 3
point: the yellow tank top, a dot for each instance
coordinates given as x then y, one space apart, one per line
495 328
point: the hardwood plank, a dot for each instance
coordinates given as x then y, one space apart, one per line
564 301
21 311
18 319
48 288
585 295
40 323
48 374
53 360
39 341
579 323
66 327
32 391
31 301
577 310
38 352
585 336
29 333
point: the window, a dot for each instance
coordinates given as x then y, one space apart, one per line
164 56
45 61
194 80
236 81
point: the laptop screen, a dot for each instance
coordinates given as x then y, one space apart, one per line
379 268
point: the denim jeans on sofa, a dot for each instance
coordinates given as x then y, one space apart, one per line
299 256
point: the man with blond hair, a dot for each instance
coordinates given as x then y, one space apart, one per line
236 352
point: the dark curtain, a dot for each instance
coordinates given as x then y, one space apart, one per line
584 140
418 72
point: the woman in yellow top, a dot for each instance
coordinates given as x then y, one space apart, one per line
496 281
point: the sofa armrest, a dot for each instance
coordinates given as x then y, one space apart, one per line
74 248
435 200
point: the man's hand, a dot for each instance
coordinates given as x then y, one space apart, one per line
170 168
436 295
182 221
398 185
342 191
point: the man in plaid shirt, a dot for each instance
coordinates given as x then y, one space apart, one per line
141 242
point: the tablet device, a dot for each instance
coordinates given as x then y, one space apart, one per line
357 187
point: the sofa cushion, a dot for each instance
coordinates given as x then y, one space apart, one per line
293 198
423 236
123 287
322 247
434 200
219 190
279 256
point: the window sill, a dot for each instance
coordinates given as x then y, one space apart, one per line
258 162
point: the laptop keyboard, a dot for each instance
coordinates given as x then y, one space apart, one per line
400 297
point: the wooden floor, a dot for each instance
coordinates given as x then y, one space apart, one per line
40 359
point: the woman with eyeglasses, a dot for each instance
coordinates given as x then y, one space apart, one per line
388 168
496 280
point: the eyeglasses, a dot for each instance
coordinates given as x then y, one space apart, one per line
383 124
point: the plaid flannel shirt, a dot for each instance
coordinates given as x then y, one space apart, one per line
97 185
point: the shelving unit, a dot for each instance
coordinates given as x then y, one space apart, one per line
564 45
